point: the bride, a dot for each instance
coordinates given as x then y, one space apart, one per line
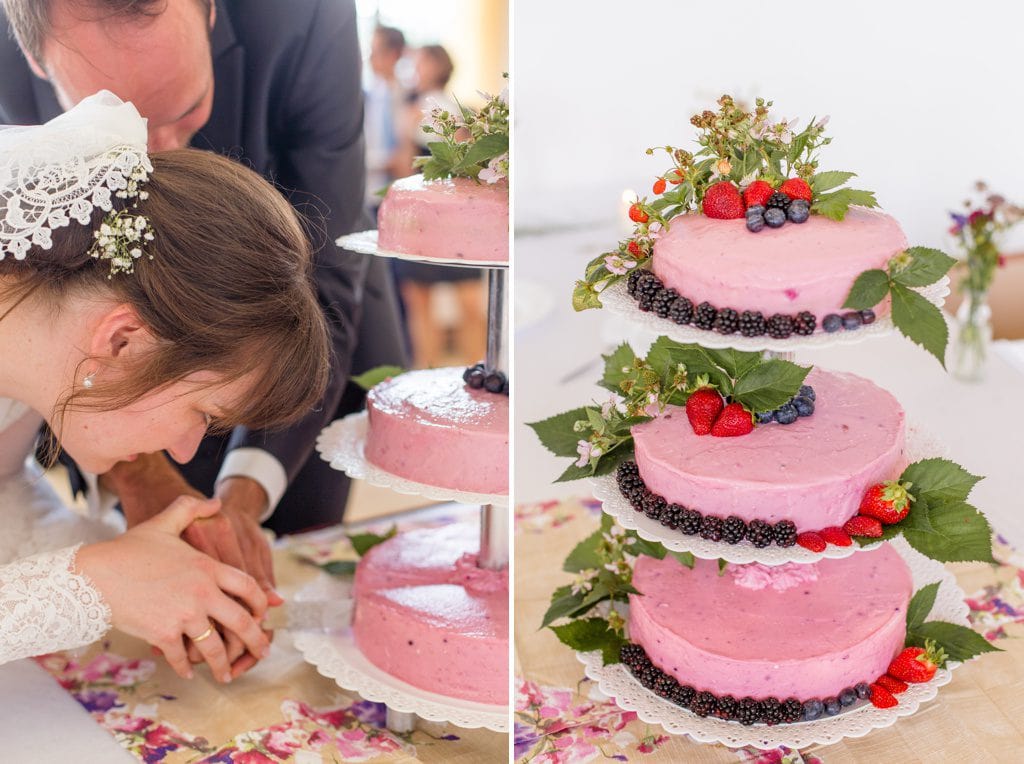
143 300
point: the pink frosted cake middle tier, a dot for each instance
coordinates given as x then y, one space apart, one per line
813 472
426 614
803 631
430 427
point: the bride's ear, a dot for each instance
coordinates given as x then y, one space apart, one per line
119 334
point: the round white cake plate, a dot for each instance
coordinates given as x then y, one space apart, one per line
617 300
342 443
920 445
335 655
365 242
616 682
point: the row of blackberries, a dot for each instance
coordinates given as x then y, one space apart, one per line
690 522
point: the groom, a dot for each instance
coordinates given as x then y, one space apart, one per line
275 84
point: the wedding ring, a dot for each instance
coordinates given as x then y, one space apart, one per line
202 636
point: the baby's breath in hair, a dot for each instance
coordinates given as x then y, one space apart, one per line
123 235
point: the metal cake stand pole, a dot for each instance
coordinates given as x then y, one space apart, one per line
400 722
494 520
787 355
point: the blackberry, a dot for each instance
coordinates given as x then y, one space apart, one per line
804 323
628 478
636 501
711 528
664 685
673 516
727 708
734 530
632 654
792 710
759 533
779 326
772 710
778 200
681 311
704 704
632 279
683 695
704 316
727 321
785 533
752 323
750 712
654 506
647 287
662 301
690 521
647 674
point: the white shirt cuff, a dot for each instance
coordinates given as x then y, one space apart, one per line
262 467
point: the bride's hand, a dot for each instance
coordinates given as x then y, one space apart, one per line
162 590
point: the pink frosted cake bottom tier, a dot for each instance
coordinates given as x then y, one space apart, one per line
427 615
810 640
813 472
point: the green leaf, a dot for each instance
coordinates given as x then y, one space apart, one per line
926 267
769 384
735 362
919 321
585 297
585 634
610 461
958 532
959 642
376 375
443 153
364 542
834 205
665 354
563 602
657 550
584 556
339 567
620 358
557 434
483 150
685 558
572 472
921 605
826 181
612 648
868 290
939 480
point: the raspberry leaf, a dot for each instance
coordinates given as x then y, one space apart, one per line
614 363
956 532
924 266
919 321
834 205
868 290
826 181
364 542
958 642
557 433
769 384
939 480
591 634
585 297
376 375
921 605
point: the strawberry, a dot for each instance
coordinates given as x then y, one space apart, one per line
881 697
796 188
836 536
917 664
734 420
703 408
887 502
892 684
811 540
723 201
757 193
634 248
862 525
659 186
637 214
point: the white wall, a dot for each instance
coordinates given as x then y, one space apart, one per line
924 97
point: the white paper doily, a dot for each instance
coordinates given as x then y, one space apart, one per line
366 243
618 301
616 682
342 444
920 445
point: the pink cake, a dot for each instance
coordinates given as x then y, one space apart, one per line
426 614
813 472
803 631
787 270
430 427
457 218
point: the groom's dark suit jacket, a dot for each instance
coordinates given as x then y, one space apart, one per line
287 102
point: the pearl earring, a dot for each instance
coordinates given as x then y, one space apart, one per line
87 382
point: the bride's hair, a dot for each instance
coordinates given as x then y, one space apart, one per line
228 289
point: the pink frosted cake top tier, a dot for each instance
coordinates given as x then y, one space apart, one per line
806 639
813 472
454 218
794 268
439 397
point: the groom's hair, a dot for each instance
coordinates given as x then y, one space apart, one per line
30 19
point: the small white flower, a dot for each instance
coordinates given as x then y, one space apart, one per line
586 451
615 403
618 265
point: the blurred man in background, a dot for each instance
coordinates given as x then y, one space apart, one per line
385 106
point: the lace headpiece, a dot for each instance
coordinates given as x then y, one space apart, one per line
62 171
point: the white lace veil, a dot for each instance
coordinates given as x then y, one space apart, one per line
63 170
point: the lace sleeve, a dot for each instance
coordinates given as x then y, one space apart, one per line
46 606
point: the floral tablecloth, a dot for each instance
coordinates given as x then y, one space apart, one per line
282 711
563 718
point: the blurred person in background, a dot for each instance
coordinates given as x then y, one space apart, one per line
418 282
385 107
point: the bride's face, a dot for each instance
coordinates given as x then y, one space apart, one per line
173 419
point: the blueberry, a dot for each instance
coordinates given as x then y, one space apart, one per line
798 211
476 378
807 392
786 414
756 209
852 320
813 709
832 706
766 417
494 382
832 323
755 223
804 406
867 316
863 690
847 697
774 217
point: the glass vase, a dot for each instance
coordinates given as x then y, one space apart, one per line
974 335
